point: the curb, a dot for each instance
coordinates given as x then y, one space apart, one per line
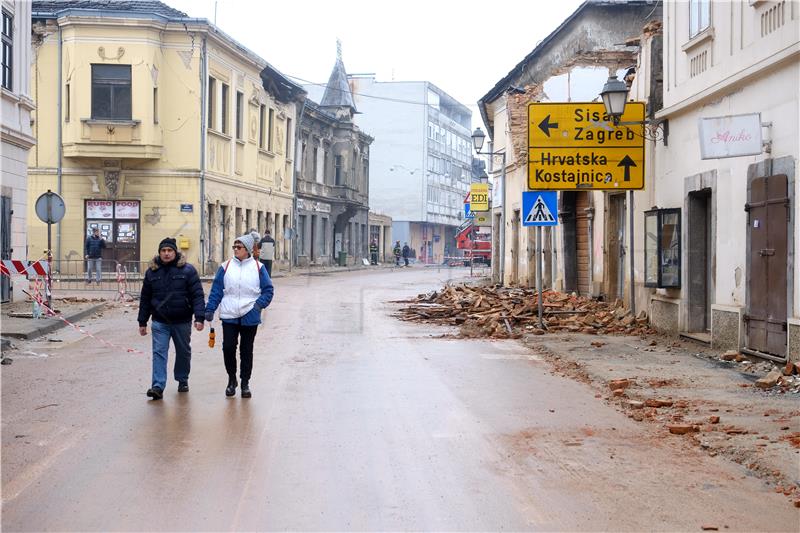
54 325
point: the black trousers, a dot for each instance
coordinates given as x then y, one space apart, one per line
267 264
230 338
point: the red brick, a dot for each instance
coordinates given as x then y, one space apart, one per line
619 384
681 429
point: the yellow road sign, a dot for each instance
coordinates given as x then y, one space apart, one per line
482 219
479 197
577 146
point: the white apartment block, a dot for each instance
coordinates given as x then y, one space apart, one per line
420 160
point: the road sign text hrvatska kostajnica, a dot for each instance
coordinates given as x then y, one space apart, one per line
577 146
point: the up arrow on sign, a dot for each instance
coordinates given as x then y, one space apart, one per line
627 162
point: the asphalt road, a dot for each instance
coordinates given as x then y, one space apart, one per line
357 422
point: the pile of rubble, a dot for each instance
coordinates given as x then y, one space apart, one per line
784 379
503 312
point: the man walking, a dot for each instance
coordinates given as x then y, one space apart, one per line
171 294
373 252
267 254
406 253
93 252
397 251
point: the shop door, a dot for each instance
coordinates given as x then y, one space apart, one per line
575 224
615 246
119 225
767 265
582 241
515 221
700 296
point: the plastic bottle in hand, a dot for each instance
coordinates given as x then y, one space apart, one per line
211 337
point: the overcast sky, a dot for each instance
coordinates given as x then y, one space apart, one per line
462 46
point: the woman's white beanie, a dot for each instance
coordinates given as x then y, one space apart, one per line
248 242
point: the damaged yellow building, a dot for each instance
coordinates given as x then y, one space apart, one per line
154 124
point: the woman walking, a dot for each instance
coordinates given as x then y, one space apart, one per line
241 289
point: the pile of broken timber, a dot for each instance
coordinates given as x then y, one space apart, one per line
509 312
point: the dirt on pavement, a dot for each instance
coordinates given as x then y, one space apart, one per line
728 405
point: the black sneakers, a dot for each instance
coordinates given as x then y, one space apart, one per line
230 390
155 393
246 390
183 386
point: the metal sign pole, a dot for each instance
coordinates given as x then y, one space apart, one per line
539 274
49 250
633 281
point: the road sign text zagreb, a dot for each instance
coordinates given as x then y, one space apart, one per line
577 146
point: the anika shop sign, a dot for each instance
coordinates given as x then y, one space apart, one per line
730 136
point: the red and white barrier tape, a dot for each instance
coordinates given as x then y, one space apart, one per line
76 327
23 268
49 311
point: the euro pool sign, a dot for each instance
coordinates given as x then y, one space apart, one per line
540 208
577 146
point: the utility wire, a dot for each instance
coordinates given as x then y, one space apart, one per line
330 88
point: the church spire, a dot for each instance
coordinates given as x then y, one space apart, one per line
337 92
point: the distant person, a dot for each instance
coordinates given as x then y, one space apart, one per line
257 243
397 252
241 289
373 252
267 251
171 294
406 253
93 252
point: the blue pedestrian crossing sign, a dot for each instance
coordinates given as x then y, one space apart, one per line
468 213
540 208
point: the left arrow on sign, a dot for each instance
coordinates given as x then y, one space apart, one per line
546 125
627 162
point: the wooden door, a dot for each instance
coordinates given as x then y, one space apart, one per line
767 266
582 244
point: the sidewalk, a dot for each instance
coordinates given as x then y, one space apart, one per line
18 322
77 304
686 390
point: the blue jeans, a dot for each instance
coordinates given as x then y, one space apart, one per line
95 262
180 335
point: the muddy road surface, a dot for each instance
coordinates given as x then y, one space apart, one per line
357 422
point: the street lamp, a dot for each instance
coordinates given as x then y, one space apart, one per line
478 137
614 95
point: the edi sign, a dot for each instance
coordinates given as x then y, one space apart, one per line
577 146
479 197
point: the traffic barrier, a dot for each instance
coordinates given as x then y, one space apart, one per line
23 268
70 275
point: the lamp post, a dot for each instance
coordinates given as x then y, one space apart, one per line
615 95
478 137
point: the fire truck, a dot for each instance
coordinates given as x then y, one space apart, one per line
475 243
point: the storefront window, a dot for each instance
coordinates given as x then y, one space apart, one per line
662 248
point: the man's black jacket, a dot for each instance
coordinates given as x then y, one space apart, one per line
171 293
